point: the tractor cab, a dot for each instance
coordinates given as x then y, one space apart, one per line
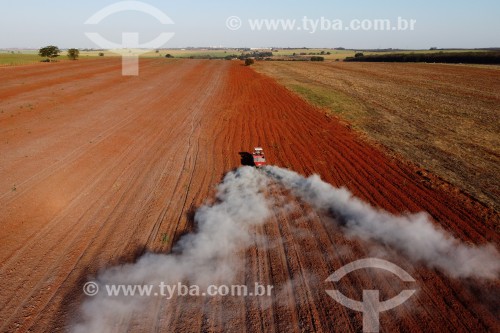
258 157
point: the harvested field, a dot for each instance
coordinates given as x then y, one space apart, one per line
441 117
98 169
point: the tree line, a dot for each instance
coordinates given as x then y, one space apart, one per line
485 58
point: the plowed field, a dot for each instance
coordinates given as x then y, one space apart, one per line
97 169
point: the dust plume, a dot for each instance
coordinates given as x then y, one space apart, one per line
413 235
245 199
206 257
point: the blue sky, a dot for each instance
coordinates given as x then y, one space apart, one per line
446 24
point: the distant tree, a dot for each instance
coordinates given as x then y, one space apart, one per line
168 55
263 54
101 54
249 62
49 52
73 54
317 58
359 54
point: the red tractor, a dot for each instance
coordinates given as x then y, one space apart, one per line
258 157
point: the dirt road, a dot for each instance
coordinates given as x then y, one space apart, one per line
97 169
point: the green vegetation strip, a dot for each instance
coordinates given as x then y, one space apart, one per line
8 59
333 102
484 58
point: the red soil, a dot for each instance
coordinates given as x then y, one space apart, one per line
96 167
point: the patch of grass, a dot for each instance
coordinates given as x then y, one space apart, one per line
164 238
333 102
9 59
